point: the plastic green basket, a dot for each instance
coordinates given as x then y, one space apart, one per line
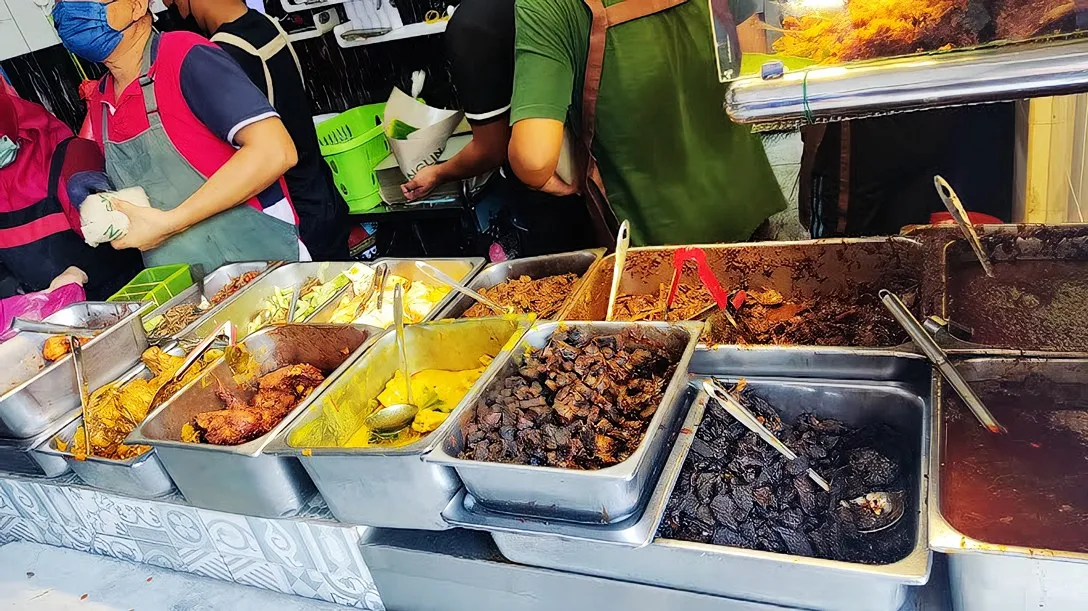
353 144
156 284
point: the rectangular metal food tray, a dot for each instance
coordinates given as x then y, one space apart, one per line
21 456
1042 320
207 287
635 531
602 496
394 487
241 479
991 576
577 262
791 581
36 396
142 476
247 303
460 269
807 269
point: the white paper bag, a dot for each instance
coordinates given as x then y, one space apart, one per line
424 146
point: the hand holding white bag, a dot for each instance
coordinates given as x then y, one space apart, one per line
101 222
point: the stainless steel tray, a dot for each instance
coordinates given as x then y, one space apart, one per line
141 477
207 287
21 456
790 581
1011 313
807 269
991 576
636 531
577 262
394 487
461 269
244 305
606 495
34 397
241 479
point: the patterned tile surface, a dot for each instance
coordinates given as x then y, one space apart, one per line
311 555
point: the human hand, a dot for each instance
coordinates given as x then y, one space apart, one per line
72 275
421 185
556 186
148 228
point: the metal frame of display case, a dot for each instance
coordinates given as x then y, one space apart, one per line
821 94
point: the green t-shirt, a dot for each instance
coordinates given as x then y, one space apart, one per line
672 161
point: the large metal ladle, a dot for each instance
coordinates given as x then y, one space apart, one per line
623 240
34 326
396 417
438 276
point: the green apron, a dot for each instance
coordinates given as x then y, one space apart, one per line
151 161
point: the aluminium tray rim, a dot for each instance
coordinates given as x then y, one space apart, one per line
272 266
598 254
253 448
636 531
279 446
629 467
943 536
135 312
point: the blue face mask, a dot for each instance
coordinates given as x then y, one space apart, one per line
85 30
8 149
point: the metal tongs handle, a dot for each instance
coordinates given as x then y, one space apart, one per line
438 276
741 413
84 389
402 343
377 286
959 214
224 330
939 359
623 241
34 326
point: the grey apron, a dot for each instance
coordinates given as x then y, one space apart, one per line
151 161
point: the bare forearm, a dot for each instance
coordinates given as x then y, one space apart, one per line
251 170
473 160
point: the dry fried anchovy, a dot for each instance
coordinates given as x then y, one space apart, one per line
735 490
543 297
175 319
580 402
233 287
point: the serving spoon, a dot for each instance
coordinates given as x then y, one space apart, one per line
400 415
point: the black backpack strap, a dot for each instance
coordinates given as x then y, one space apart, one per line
56 166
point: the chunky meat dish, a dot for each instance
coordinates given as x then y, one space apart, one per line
736 490
581 402
543 296
57 346
240 421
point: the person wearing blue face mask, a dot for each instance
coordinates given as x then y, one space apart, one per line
176 116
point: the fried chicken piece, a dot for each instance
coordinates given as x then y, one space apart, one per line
57 346
228 427
277 394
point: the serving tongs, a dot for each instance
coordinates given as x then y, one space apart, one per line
939 358
34 326
439 276
377 285
226 330
959 214
748 419
722 300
